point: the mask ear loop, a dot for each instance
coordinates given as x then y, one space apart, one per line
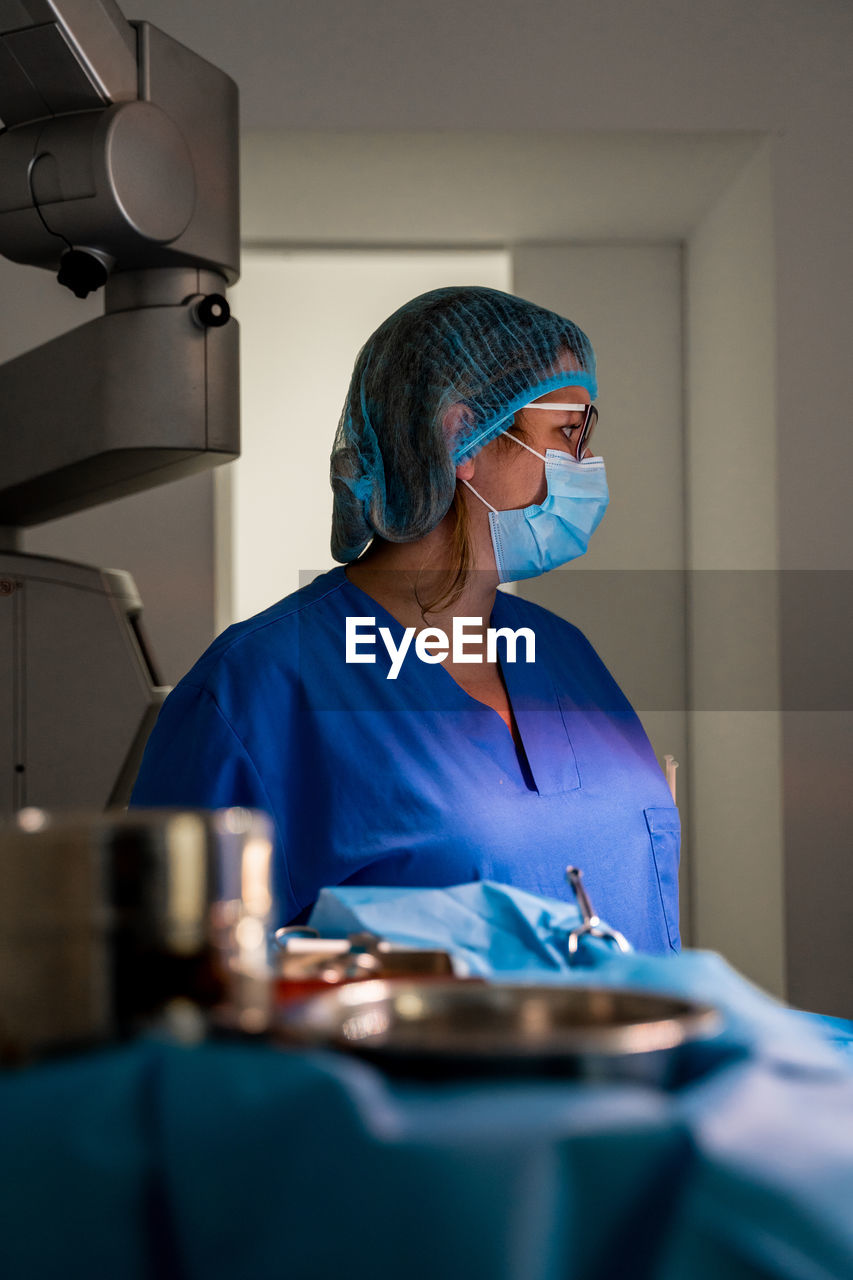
478 495
535 452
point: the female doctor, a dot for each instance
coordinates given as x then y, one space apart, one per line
386 753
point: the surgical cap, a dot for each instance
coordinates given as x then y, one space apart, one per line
393 461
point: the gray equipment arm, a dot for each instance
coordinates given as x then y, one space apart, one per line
58 56
118 167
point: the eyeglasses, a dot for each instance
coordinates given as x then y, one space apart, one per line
584 428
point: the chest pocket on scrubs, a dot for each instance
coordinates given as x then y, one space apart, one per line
664 826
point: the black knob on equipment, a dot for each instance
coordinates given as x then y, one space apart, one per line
213 311
81 272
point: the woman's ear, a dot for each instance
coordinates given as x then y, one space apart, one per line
456 419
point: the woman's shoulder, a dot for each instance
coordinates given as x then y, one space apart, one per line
274 638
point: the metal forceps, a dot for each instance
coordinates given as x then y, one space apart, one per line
592 924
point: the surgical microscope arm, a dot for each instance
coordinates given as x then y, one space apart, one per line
118 167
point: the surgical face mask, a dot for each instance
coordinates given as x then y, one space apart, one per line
534 539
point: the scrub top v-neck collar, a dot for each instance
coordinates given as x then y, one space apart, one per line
546 759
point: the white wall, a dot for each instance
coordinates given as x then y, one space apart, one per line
733 552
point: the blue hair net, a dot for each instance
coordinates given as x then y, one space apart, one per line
394 457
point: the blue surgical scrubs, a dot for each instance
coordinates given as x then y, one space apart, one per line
410 781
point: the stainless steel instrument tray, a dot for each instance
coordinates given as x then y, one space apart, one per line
446 1028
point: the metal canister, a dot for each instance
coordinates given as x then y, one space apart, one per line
109 922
